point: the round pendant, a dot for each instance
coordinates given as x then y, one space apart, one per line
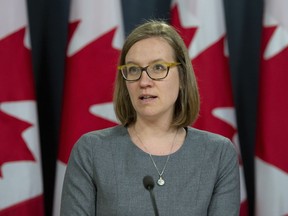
160 181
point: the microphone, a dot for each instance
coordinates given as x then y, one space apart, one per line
148 183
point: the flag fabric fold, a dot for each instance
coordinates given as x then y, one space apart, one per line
202 26
21 189
95 39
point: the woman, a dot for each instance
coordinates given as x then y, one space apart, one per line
156 99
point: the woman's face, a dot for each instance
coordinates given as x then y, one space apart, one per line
150 98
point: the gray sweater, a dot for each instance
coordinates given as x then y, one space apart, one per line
105 174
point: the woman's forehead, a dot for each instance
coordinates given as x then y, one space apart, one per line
150 49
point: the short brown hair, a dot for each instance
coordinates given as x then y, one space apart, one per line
187 104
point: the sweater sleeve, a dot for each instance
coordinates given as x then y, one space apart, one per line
79 190
225 200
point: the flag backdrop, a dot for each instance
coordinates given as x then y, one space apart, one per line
21 190
202 26
92 55
272 149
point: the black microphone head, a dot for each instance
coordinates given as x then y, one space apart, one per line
148 182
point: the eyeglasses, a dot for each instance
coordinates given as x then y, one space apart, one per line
156 71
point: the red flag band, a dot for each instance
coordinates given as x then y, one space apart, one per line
21 191
271 148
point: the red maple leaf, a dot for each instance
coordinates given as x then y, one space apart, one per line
273 105
215 88
13 147
16 81
212 72
186 33
89 80
15 84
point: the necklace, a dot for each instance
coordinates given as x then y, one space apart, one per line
160 181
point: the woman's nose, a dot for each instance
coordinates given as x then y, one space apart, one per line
145 79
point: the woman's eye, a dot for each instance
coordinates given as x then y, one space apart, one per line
133 69
159 67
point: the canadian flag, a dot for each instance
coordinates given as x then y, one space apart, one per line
21 189
272 148
95 38
202 26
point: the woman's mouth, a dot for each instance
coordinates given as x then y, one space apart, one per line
147 97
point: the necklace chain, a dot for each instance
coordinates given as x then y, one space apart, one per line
160 180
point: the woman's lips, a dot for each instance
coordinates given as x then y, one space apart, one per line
145 97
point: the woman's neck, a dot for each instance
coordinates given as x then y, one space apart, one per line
156 126
156 139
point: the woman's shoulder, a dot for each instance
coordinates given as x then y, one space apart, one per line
209 139
106 133
203 134
215 147
101 137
